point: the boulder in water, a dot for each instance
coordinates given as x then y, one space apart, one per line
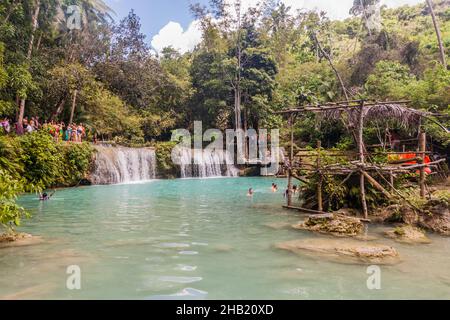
408 234
334 224
343 251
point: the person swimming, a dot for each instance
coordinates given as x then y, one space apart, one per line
45 196
250 192
274 187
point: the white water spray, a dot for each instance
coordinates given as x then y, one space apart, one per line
123 165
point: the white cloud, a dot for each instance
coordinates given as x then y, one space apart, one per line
173 35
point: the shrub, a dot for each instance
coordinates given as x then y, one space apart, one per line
42 160
10 212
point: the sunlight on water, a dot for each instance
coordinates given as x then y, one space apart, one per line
195 239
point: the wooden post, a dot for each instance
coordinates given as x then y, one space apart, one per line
391 180
320 182
291 160
362 180
422 150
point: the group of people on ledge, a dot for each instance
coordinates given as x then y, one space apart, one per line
59 131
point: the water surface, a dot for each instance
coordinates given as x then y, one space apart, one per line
195 239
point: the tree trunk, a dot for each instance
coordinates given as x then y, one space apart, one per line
237 93
74 103
344 90
30 51
59 109
362 158
10 11
438 34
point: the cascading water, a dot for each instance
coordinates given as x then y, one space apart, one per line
123 165
205 164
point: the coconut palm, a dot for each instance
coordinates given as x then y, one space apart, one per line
438 33
95 11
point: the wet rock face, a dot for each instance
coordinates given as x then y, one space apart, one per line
334 224
343 251
409 235
436 217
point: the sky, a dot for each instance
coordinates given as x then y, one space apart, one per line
170 23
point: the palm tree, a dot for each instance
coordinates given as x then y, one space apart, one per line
438 34
93 10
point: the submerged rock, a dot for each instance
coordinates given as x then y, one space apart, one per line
278 225
343 251
334 224
18 240
408 234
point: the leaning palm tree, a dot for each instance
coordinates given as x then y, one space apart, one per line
438 33
92 11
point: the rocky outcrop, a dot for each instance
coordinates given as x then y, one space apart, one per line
334 224
408 234
343 251
396 213
436 216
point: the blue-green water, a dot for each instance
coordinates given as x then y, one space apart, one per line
195 239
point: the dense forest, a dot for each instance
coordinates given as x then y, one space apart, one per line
248 65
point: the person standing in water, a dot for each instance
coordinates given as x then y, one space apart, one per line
250 192
45 196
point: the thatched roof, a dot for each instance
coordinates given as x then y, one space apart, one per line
349 112
407 117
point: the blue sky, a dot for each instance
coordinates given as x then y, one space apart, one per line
155 14
170 23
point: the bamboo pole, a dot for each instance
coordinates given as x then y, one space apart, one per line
362 160
391 180
376 185
291 160
319 184
422 149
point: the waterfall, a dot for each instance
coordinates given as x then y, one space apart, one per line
122 165
205 164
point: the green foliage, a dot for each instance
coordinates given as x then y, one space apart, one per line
10 213
165 167
42 161
76 164
388 78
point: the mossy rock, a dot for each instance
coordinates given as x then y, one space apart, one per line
334 224
408 234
